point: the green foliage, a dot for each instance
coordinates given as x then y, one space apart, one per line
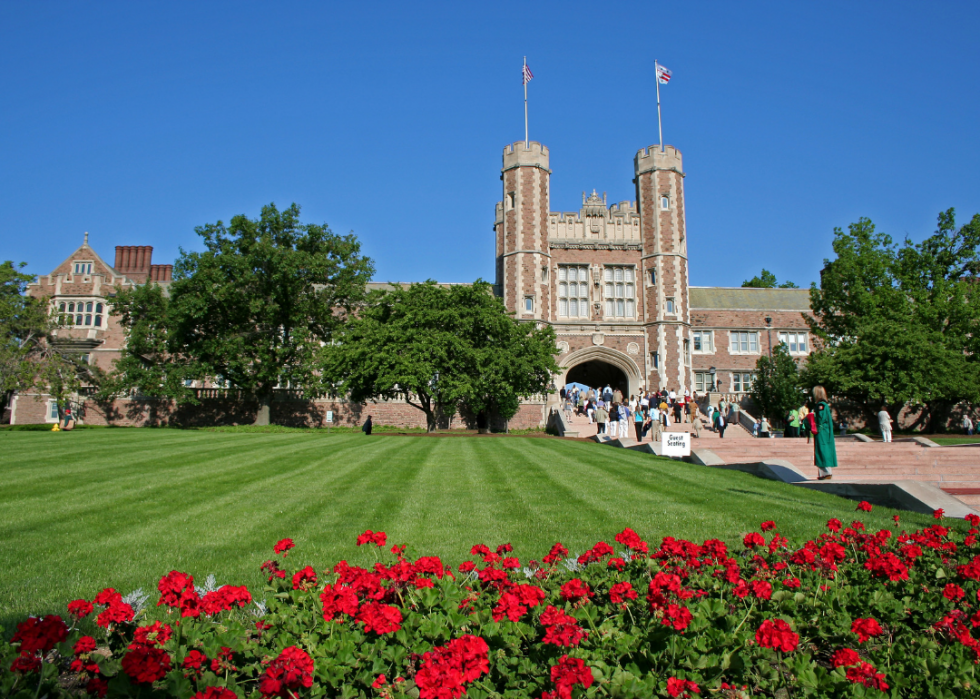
767 280
777 388
897 324
255 307
30 354
147 365
440 348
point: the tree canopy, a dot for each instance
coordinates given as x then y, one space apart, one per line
30 355
440 348
898 324
767 280
777 388
255 307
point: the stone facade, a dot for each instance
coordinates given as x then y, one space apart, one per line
611 279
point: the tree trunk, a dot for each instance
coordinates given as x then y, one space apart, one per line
430 420
265 405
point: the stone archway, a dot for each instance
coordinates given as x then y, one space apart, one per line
598 366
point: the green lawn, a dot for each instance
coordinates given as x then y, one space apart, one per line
94 508
947 440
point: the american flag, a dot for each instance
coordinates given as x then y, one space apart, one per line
663 75
527 74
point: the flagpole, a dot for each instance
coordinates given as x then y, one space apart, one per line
660 123
527 145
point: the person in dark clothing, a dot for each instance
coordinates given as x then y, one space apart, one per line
367 426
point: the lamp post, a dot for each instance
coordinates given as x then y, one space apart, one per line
769 334
712 371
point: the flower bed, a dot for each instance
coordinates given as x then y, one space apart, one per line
849 613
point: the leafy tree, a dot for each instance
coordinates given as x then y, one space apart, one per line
30 355
898 325
148 364
777 388
255 307
439 348
767 280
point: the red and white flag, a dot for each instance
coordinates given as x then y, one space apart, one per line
663 75
527 74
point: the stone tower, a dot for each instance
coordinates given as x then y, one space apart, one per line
521 229
660 200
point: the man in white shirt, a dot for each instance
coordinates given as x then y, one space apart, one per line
885 424
644 401
624 416
968 425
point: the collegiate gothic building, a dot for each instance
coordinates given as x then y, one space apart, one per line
611 279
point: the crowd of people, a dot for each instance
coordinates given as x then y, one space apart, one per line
640 416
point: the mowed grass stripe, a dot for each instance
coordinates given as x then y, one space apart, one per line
119 508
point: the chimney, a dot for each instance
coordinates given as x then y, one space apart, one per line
134 261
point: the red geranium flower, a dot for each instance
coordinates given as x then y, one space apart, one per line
677 687
224 598
86 644
753 539
146 664
40 635
107 596
866 674
568 673
575 590
80 608
97 686
215 693
768 526
845 656
761 589
556 555
953 592
289 672
561 629
283 546
864 506
155 634
445 670
25 664
777 634
379 539
194 663
380 618
631 540
677 616
379 682
939 514
792 582
620 592
834 525
865 629
304 579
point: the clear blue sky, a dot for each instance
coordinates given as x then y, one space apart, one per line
137 121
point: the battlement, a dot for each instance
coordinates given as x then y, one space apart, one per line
650 159
534 155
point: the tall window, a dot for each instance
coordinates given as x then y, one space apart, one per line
664 203
671 308
82 313
573 292
703 341
529 304
83 268
742 383
620 292
744 343
702 381
795 342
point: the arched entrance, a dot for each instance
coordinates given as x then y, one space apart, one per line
599 366
596 373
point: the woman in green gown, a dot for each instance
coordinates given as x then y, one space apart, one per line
824 451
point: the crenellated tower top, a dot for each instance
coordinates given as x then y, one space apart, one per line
533 155
651 159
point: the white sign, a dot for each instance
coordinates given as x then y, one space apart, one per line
675 444
329 416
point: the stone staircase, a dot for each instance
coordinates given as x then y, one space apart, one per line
953 469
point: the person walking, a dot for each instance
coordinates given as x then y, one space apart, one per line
720 424
638 424
655 423
824 449
624 416
590 410
367 426
885 425
764 429
617 396
968 425
601 417
793 423
695 419
756 427
607 394
613 426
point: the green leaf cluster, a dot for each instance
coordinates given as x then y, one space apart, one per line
777 388
767 280
442 348
898 324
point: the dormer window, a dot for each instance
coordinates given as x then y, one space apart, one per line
83 268
664 203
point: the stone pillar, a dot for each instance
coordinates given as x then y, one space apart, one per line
521 229
660 200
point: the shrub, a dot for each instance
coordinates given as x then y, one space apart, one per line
849 613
